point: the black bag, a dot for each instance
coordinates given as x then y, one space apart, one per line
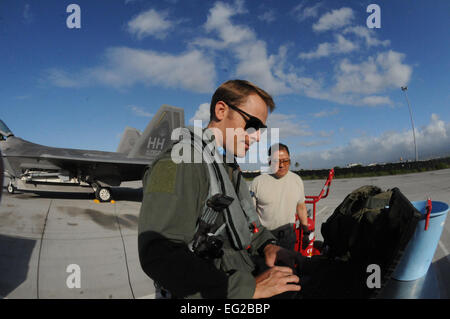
340 229
369 227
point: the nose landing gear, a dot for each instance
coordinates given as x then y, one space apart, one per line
11 189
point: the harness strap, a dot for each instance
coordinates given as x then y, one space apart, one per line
238 215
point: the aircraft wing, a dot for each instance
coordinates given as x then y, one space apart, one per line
87 159
110 171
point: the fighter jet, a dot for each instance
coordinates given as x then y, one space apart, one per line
36 167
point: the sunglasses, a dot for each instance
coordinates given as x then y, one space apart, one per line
251 121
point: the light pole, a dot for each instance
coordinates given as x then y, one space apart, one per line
404 89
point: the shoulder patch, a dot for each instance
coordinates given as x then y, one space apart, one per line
162 177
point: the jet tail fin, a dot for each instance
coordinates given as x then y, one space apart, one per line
156 137
4 130
129 138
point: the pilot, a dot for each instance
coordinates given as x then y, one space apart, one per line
279 196
187 259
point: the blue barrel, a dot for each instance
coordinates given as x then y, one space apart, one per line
422 246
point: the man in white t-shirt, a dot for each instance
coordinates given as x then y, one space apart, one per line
280 195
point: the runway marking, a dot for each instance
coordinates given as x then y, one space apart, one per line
151 296
325 207
40 248
124 251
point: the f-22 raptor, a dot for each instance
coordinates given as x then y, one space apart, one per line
36 167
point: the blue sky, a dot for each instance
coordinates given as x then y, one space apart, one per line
336 83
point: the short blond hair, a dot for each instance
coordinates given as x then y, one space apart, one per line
236 92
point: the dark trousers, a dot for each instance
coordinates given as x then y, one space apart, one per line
285 236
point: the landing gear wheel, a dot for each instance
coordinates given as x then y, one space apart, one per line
103 194
11 188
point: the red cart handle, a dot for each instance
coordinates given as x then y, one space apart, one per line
326 187
429 206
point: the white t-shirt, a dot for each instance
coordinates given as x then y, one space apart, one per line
276 199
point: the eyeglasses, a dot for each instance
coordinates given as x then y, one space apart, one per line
251 121
284 161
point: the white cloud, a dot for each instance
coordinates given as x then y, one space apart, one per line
139 111
302 13
202 114
219 21
27 14
255 63
334 20
253 60
341 45
432 140
22 97
226 43
274 72
288 125
376 100
150 23
59 78
315 143
208 43
384 71
437 129
126 67
367 34
344 45
326 134
326 113
268 16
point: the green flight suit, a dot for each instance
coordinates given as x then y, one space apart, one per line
174 196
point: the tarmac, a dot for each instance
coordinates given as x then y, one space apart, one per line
49 240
